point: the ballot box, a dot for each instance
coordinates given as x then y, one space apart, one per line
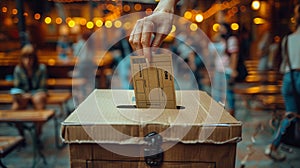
108 130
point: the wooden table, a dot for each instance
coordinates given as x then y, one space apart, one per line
259 90
54 98
32 117
8 144
267 79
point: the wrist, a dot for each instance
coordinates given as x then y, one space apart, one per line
166 6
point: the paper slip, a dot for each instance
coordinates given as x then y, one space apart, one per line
153 84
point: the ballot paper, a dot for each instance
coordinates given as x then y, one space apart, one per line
153 82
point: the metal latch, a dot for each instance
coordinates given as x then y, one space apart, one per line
153 153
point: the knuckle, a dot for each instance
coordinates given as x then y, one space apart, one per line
135 42
144 42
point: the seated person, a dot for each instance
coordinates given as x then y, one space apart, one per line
30 79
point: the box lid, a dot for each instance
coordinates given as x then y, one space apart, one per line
109 116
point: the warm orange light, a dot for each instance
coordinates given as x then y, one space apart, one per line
127 25
25 14
99 23
71 23
216 27
188 15
14 11
259 21
37 16
68 19
148 11
48 20
277 39
89 25
255 5
234 26
126 8
51 62
138 7
4 9
82 21
58 20
110 7
193 26
199 18
118 23
108 24
293 20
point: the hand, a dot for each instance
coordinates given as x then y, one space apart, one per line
158 24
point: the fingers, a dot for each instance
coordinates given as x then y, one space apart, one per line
148 27
135 37
158 39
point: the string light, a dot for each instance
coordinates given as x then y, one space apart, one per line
118 23
71 23
58 20
193 26
138 7
48 20
188 15
216 27
37 16
234 26
89 24
4 9
99 23
108 24
255 5
126 8
14 11
199 18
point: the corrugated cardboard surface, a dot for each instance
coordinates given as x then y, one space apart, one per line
153 83
100 120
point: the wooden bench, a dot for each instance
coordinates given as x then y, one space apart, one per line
8 144
54 98
34 117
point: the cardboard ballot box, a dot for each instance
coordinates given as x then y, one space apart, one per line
107 130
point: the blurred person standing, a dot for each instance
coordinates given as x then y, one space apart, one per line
63 48
264 48
30 79
291 52
225 46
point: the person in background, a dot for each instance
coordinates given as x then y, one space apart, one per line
30 79
76 47
288 91
227 48
63 48
264 47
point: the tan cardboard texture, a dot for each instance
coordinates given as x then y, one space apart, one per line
106 113
106 130
153 83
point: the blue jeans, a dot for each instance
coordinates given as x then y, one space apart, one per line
290 103
223 90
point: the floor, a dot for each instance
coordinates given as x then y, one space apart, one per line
249 154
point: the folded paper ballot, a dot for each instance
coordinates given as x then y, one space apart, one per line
153 82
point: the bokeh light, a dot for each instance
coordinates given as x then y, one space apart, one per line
199 18
48 20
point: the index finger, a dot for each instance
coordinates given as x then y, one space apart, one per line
148 28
